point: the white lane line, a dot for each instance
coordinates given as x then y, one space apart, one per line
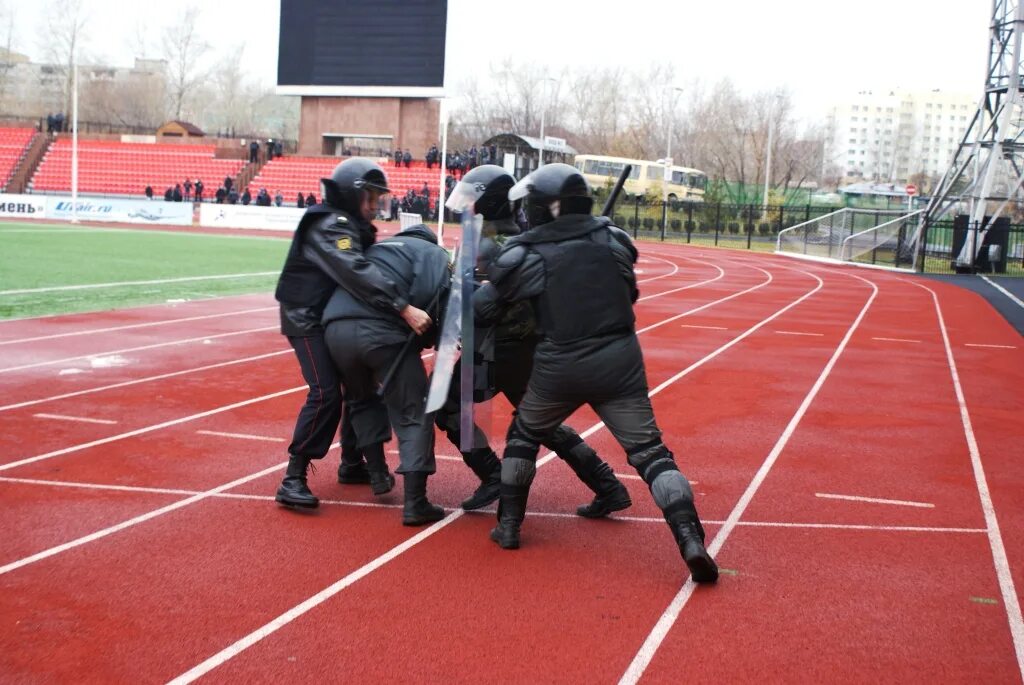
136 325
709 304
721 274
896 340
673 272
995 347
158 377
252 638
169 343
657 635
1013 298
490 510
81 419
875 500
799 333
118 284
995 537
241 436
135 521
710 328
149 429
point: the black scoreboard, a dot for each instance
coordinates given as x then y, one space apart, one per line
364 45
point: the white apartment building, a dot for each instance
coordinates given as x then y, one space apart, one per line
892 135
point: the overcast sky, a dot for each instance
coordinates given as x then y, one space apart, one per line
821 50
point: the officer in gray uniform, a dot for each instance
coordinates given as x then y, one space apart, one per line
578 270
375 351
327 251
507 338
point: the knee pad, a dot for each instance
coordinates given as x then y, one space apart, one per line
651 459
671 489
520 443
564 439
517 471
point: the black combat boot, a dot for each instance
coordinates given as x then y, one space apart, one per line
484 463
293 491
353 473
689 535
511 513
418 510
380 479
609 492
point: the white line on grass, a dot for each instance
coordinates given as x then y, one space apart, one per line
136 325
241 436
875 500
995 537
1013 298
119 284
148 429
169 343
171 374
668 618
81 419
252 638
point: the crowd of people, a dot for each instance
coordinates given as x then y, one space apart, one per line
227 193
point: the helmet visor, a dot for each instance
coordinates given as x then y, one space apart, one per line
521 189
464 196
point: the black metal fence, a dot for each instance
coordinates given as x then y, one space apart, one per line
959 246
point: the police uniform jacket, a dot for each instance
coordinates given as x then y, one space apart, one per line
328 251
419 269
578 272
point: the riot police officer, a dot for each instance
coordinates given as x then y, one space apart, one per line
508 337
373 347
578 270
327 251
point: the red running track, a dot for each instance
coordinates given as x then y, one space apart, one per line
783 387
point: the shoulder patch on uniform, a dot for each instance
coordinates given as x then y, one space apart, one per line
344 243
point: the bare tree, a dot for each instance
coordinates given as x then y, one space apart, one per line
183 49
62 40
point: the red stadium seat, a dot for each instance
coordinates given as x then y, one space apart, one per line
13 144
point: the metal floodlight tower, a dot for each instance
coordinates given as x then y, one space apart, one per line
987 171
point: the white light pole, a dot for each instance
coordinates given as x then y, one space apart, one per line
444 117
667 173
543 111
768 155
74 137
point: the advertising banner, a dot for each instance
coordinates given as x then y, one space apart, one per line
250 216
121 211
22 206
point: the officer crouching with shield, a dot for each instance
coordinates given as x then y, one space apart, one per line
327 250
507 336
578 271
377 354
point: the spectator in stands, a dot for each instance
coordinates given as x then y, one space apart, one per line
233 196
188 190
425 192
310 200
199 190
58 122
254 155
246 197
471 161
220 195
263 198
169 194
270 149
176 195
301 202
394 207
149 192
49 123
398 157
228 182
407 158
485 156
278 198
278 148
432 155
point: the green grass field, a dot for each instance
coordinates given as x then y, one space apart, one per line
34 256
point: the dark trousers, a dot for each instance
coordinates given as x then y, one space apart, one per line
320 415
363 365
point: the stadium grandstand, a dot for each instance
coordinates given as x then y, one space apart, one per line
14 143
117 168
292 175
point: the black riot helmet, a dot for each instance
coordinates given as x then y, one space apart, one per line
349 180
484 190
552 191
